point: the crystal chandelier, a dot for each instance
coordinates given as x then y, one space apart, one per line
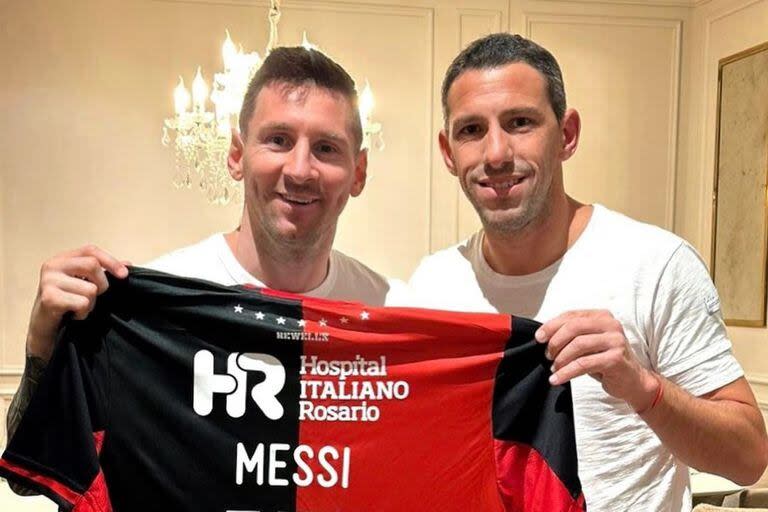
201 138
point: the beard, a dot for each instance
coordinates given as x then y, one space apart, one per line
507 218
506 222
290 244
293 247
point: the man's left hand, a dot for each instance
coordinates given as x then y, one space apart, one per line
592 342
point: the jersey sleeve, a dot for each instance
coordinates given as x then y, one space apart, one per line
55 449
689 343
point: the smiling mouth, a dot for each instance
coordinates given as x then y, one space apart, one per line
502 186
298 200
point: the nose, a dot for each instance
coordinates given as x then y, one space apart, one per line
498 148
298 165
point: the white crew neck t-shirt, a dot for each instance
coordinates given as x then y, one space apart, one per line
349 280
656 285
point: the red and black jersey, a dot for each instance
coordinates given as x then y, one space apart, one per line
182 395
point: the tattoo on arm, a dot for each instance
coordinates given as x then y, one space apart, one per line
33 370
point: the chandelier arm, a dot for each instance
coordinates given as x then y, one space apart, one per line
274 19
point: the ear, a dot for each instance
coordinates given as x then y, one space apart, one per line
235 156
571 127
445 150
361 173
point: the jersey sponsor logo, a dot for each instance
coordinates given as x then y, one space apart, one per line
234 383
345 390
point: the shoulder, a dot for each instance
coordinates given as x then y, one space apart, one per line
191 260
613 237
636 234
349 267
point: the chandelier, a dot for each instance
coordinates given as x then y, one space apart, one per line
201 138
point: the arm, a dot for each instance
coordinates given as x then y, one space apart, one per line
721 432
33 370
69 282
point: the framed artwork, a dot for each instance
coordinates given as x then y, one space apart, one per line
740 210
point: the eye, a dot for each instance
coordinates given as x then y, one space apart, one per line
520 122
324 147
278 140
469 130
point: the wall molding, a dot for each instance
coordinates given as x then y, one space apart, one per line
319 5
491 14
759 384
675 25
710 105
758 378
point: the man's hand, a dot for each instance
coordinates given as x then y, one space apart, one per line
69 282
593 342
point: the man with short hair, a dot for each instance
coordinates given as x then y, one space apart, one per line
630 314
299 156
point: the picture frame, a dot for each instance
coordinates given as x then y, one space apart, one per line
739 262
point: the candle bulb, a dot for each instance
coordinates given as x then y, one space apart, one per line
306 44
229 52
366 104
181 97
199 91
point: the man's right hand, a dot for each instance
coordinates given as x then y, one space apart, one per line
69 282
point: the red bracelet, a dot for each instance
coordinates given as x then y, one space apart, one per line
657 398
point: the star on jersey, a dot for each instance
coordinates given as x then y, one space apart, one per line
280 320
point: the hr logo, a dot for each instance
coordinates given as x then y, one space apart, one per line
234 383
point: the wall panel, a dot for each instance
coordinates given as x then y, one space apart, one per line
628 149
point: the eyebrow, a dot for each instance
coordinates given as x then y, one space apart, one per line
517 111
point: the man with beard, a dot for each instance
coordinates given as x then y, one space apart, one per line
299 156
631 317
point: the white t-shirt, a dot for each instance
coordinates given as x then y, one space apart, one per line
348 279
656 285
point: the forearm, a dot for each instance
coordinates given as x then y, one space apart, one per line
33 371
716 434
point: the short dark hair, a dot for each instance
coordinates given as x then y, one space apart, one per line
297 66
500 49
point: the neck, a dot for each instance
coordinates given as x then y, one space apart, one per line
540 244
290 269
